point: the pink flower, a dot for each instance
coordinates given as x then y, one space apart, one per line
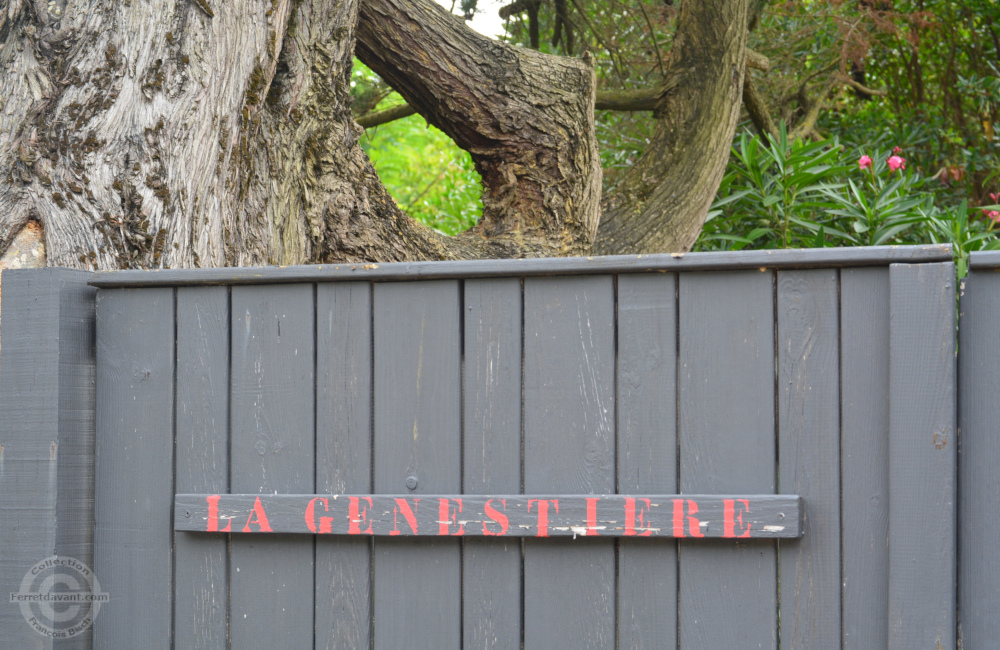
864 162
994 215
895 162
994 197
896 151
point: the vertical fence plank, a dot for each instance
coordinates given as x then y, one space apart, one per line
809 455
134 467
273 443
728 590
922 449
202 593
864 335
417 451
979 458
647 453
569 428
491 581
46 434
343 458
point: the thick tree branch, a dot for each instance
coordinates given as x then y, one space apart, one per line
757 61
861 88
661 203
517 7
643 99
526 118
757 109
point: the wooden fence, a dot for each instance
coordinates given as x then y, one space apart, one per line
748 450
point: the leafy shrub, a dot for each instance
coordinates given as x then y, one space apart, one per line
794 194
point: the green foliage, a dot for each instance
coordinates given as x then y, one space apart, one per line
429 177
791 194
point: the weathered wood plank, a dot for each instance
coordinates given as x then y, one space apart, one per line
569 438
417 583
922 449
864 313
46 435
647 453
979 413
491 390
272 451
202 462
343 458
556 266
523 515
134 467
809 455
728 595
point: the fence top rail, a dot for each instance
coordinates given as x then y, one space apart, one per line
664 263
984 261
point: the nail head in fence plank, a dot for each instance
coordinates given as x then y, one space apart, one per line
979 375
922 453
418 583
134 467
809 455
491 584
343 458
272 451
728 595
569 430
202 462
647 453
46 433
864 312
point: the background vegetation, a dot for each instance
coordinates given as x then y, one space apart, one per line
919 79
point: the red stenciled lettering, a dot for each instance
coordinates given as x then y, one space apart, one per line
543 514
261 521
448 517
357 516
694 526
730 517
325 523
213 516
497 517
592 516
408 514
630 517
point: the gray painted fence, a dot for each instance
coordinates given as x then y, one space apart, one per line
830 375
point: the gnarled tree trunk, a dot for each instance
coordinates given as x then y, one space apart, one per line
177 133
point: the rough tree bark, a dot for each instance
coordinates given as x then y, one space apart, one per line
661 203
177 133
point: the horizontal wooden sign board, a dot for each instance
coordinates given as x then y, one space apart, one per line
680 516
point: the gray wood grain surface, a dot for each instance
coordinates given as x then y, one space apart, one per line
728 595
647 453
46 434
343 458
922 451
272 451
569 445
201 611
417 583
134 467
809 455
864 314
556 266
491 435
979 458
